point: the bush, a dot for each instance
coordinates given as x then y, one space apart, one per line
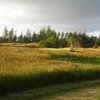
51 42
63 42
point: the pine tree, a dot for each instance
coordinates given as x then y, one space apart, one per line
11 35
5 35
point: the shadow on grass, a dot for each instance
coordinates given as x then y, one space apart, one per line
13 83
62 89
77 59
52 91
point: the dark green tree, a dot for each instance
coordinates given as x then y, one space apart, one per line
42 35
97 43
11 35
28 37
21 38
63 42
34 37
51 40
58 35
62 35
5 35
72 39
86 41
50 32
15 38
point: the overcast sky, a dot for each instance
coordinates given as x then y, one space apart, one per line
63 15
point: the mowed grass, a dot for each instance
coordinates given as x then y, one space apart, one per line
22 68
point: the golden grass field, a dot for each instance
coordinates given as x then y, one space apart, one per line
22 64
19 60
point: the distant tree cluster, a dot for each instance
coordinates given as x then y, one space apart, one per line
51 39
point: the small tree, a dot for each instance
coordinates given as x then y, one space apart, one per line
97 43
15 38
5 35
51 40
42 35
34 37
11 35
27 37
72 40
58 35
21 38
63 42
62 35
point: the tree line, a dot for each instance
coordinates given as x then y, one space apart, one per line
48 37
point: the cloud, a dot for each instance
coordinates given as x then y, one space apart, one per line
95 33
67 15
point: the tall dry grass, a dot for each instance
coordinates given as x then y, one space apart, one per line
23 67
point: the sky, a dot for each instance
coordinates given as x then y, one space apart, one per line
61 15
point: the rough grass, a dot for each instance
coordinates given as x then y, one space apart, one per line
77 59
89 90
23 68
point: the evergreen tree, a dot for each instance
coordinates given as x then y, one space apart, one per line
86 41
66 35
27 37
51 40
50 32
97 43
5 35
72 40
42 35
15 38
21 38
58 35
11 35
63 42
62 35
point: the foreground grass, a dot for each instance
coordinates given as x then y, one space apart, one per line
89 90
23 67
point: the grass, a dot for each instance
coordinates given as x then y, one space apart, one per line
77 59
89 90
22 68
